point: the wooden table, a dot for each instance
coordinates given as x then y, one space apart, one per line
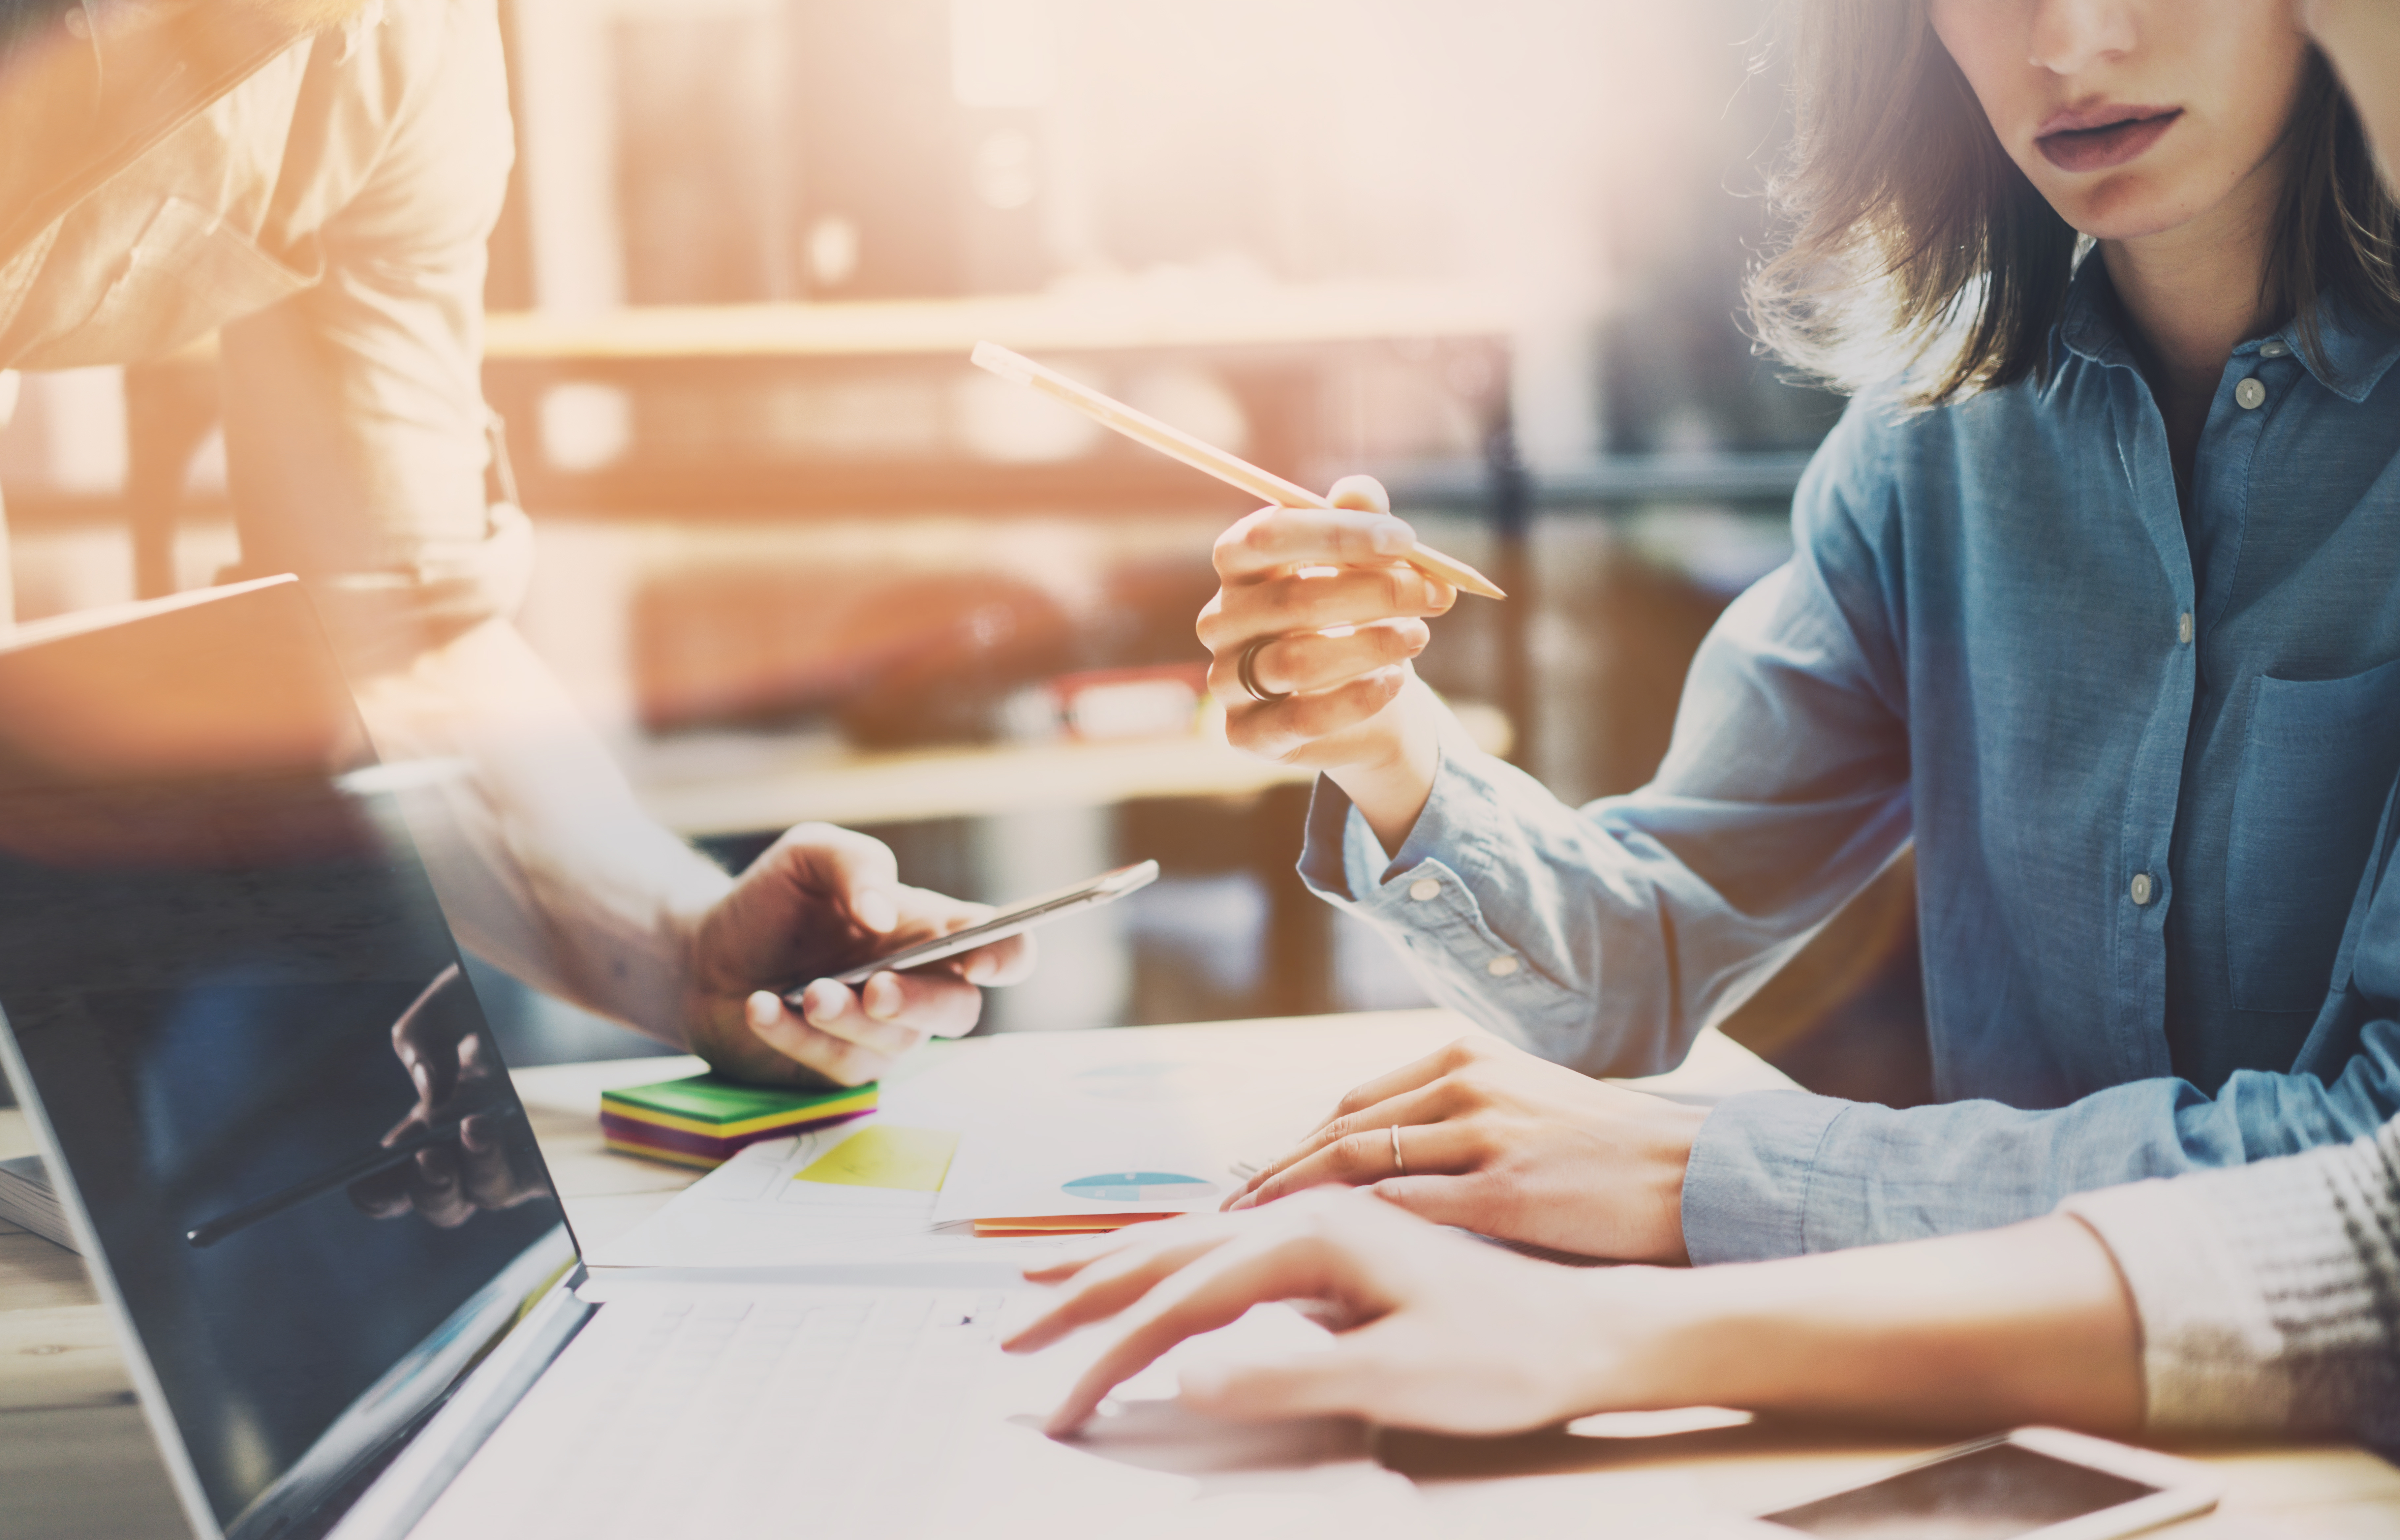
75 1459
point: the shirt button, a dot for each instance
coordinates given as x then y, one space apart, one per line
2273 347
2183 628
2250 395
1501 967
2142 889
1424 890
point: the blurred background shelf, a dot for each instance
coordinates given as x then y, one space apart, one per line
1114 318
729 789
726 784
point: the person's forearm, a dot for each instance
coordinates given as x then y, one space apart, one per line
2028 1324
1390 793
2362 37
544 863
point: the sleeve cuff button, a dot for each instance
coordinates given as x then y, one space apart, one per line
1501 967
1424 890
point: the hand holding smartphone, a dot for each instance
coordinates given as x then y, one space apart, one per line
1012 921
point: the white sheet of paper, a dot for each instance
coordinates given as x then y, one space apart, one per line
1142 1122
1092 1165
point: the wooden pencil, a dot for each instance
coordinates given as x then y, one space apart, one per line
1199 455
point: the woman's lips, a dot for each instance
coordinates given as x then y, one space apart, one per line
2098 148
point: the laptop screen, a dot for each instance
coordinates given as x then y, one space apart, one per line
236 1005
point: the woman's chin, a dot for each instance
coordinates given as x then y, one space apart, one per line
2129 212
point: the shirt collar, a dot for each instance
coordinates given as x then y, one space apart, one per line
2357 351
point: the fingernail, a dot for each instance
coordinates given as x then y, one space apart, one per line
1392 537
882 998
824 998
424 1080
763 1008
1245 1201
877 910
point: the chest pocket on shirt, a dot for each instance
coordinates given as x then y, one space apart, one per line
187 275
2316 767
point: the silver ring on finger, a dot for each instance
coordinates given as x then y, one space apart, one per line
1245 675
1397 1159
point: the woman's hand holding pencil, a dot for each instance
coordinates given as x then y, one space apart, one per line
1316 618
1322 605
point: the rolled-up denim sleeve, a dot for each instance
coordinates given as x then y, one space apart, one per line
1779 1173
1605 937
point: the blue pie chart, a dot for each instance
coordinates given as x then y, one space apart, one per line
1139 1187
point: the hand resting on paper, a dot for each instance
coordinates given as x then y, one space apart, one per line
1434 1330
1498 1142
822 900
1431 1330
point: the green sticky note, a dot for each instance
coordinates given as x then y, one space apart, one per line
913 1160
708 1098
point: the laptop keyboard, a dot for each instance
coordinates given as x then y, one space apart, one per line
811 1411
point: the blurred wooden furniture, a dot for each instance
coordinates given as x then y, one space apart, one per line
741 784
76 1461
768 789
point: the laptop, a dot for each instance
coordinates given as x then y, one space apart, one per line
342 1282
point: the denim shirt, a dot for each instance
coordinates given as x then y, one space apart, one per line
2147 763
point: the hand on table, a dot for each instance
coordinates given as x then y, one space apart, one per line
1335 616
1434 1330
1498 1142
491 1162
2028 1324
820 901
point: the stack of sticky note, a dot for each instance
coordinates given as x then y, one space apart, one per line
702 1120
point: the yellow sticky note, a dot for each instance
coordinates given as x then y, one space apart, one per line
914 1159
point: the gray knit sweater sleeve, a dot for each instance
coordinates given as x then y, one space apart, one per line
2268 1294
